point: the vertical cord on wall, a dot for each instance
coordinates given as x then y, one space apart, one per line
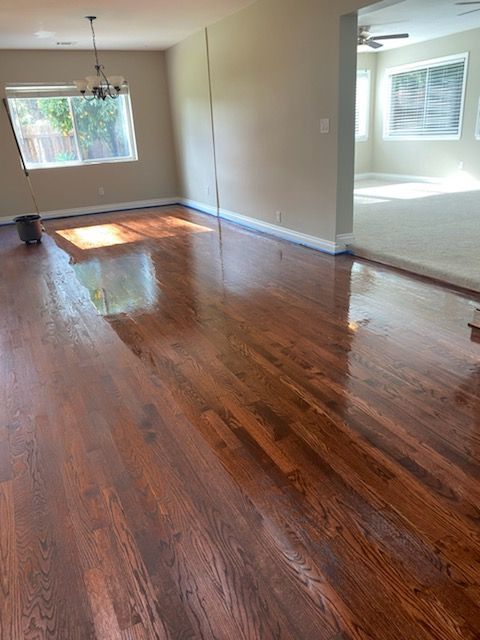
212 123
215 171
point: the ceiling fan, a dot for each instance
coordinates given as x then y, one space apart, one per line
468 4
370 40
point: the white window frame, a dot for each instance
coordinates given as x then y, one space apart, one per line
414 66
477 127
76 163
364 137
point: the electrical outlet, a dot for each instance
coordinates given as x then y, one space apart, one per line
461 165
101 191
278 216
325 125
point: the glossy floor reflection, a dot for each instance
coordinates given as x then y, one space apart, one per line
120 284
214 434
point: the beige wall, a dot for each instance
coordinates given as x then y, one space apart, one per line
435 158
364 148
153 176
189 92
275 73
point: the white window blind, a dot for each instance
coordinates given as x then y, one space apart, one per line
362 105
426 100
477 129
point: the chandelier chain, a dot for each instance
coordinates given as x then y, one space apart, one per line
97 64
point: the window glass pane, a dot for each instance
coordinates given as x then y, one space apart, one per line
44 130
102 128
56 127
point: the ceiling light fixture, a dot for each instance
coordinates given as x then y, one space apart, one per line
99 86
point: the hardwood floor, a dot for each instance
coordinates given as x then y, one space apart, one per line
209 433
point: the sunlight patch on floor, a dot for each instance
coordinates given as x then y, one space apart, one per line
372 192
165 227
101 235
109 235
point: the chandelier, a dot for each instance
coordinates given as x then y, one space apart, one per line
100 86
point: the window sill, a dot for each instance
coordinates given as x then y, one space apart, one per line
421 138
68 165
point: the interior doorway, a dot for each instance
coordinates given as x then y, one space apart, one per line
417 130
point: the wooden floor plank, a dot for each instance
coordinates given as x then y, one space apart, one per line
10 608
213 434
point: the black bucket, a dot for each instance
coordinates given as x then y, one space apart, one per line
29 228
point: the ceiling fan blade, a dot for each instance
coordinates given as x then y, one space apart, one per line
465 13
372 44
393 36
467 3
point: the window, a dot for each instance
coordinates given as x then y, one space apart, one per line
56 127
477 129
425 100
362 105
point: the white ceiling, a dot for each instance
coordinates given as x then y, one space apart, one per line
423 19
157 24
121 24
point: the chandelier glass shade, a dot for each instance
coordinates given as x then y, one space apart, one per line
99 86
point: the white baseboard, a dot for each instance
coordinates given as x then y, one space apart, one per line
341 245
364 176
198 206
396 177
345 240
103 208
326 246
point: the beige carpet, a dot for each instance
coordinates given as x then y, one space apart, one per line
430 229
